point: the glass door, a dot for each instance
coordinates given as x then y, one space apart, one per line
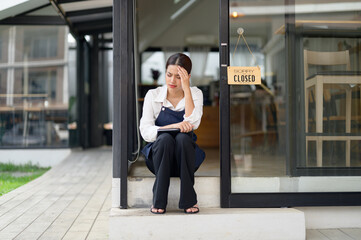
258 112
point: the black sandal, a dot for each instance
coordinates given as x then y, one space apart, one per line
185 210
157 211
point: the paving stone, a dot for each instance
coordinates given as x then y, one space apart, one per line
352 232
75 235
29 236
335 234
98 236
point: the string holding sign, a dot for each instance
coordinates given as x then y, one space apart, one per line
240 32
245 75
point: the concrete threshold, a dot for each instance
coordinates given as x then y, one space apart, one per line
140 192
209 223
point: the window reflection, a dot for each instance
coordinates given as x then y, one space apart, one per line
4 37
33 87
41 43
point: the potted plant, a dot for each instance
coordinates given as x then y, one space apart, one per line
155 75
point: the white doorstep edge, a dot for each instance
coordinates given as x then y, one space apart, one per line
210 223
332 217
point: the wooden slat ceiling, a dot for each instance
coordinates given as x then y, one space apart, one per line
86 17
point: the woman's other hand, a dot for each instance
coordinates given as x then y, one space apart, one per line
185 126
184 77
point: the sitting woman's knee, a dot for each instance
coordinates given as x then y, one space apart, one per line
183 138
165 138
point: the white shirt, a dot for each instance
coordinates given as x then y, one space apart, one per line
153 102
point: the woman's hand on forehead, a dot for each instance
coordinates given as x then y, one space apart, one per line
184 77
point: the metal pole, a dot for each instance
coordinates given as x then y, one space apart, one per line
80 90
96 128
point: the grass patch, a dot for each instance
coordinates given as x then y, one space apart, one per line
8 182
28 167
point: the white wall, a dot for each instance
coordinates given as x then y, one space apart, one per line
42 157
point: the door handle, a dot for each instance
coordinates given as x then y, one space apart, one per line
224 55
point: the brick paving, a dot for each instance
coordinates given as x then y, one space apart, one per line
70 201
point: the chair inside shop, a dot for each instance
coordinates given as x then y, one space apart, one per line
321 89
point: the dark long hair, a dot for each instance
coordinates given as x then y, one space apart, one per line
180 59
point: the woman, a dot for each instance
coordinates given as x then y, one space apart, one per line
174 105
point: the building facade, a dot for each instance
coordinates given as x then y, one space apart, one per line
292 141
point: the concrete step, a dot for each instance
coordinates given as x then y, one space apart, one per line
140 192
209 223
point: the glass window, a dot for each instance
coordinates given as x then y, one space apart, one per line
40 43
322 91
1 48
3 79
33 93
152 61
39 81
328 44
72 84
42 47
4 38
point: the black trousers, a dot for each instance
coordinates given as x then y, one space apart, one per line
174 156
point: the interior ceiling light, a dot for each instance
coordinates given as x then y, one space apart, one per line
237 15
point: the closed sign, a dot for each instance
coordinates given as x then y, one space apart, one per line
244 75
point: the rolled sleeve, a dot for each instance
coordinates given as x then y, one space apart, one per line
196 116
147 127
